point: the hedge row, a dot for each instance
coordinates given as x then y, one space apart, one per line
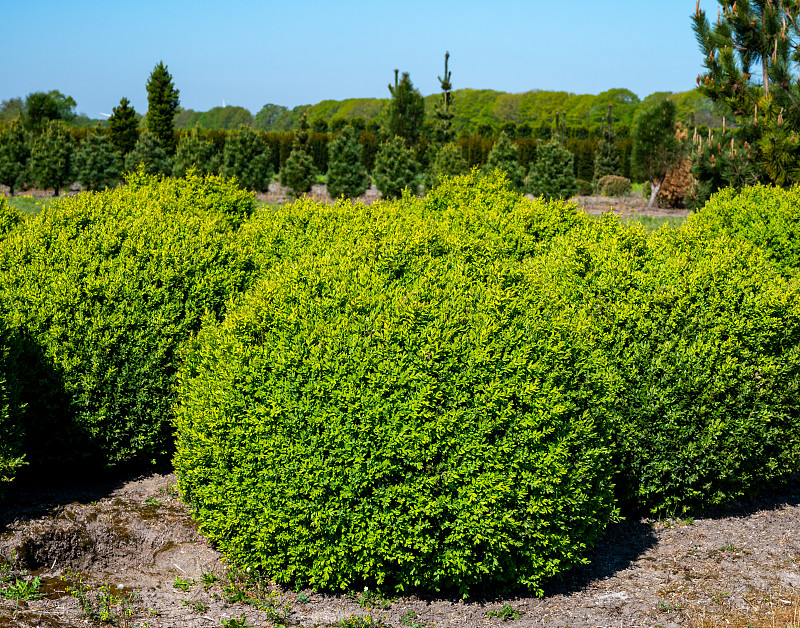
443 393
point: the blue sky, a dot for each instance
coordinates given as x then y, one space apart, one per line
249 52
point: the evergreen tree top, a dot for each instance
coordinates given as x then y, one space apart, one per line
160 90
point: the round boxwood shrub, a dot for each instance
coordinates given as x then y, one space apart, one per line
400 413
104 289
614 186
768 217
704 337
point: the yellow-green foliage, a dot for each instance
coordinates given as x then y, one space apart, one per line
768 217
398 402
104 289
703 335
10 216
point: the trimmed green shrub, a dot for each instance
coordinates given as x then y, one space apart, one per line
11 456
768 217
10 216
299 172
400 411
613 185
704 337
107 288
584 187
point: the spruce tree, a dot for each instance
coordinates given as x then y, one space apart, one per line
395 169
247 157
123 127
552 175
406 113
606 158
14 154
149 155
97 164
448 162
162 107
299 172
503 156
346 176
195 151
444 132
51 157
655 148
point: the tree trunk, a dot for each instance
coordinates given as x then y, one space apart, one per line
655 187
764 69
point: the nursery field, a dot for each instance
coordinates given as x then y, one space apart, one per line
391 407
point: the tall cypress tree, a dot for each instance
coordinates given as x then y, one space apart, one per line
406 113
162 107
606 159
444 131
123 128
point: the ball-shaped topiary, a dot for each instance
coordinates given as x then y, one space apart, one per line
106 288
409 410
614 185
704 337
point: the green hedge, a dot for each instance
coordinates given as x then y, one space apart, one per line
11 454
103 290
704 337
396 403
768 217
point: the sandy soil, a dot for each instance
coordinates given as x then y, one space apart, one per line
136 537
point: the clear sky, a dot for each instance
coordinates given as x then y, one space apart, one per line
252 52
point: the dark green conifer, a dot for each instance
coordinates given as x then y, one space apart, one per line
448 162
162 107
149 154
299 172
51 157
606 158
346 176
247 157
395 169
443 131
195 151
503 156
552 175
406 113
97 164
123 127
15 151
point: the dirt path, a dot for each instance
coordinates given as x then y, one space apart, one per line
138 538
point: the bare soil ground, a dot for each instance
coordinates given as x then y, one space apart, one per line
135 538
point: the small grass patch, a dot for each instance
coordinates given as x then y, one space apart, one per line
28 204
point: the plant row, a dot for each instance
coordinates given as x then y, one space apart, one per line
440 394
